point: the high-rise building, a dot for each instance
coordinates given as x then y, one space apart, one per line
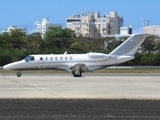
43 27
12 27
93 25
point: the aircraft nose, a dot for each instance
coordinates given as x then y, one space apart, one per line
5 67
12 66
8 66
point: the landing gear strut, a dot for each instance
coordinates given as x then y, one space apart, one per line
18 74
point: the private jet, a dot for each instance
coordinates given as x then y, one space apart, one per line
79 63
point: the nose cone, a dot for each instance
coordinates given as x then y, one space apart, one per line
12 66
7 67
4 67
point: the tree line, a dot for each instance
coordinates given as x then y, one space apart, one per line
16 45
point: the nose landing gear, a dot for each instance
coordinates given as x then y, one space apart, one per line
19 74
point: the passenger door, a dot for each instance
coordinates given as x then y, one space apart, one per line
41 62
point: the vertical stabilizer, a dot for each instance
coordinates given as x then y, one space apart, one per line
130 46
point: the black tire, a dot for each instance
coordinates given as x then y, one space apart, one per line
79 75
18 74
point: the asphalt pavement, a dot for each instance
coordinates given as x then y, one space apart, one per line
95 96
79 109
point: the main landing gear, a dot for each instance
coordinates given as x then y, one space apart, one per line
79 74
19 74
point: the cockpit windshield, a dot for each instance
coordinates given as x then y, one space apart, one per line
29 58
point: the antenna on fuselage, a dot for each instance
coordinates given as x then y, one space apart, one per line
65 52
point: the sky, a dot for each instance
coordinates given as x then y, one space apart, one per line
26 13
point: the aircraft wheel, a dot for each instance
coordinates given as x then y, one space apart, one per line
74 75
77 75
80 74
18 74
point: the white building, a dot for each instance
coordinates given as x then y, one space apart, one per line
151 30
43 27
21 29
92 25
126 30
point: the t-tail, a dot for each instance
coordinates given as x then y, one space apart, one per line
130 46
127 49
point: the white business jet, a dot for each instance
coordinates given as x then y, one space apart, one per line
79 63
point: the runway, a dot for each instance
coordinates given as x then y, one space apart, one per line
94 96
90 86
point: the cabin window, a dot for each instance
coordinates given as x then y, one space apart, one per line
56 58
66 58
61 58
51 58
41 58
71 58
46 58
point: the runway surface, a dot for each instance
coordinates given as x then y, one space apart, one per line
90 86
94 96
78 109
